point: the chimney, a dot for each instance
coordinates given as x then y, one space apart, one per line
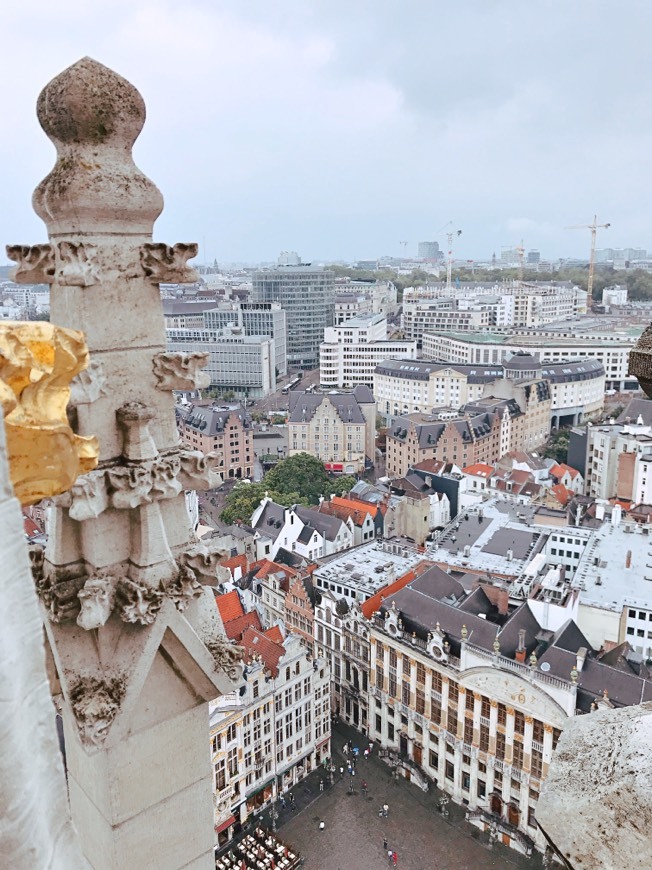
520 652
628 559
581 658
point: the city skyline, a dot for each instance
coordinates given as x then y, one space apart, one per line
341 132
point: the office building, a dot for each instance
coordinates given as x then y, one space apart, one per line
349 353
225 432
306 293
429 251
262 318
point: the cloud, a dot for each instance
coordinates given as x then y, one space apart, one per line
339 128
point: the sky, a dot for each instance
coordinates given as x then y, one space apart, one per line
341 128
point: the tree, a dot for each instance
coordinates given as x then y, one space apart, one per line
557 447
305 474
244 498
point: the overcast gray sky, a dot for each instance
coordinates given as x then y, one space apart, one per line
338 128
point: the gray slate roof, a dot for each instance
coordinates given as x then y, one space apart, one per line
304 405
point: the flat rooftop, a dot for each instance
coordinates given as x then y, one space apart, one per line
602 575
366 568
494 536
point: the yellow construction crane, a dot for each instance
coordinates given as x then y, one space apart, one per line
594 227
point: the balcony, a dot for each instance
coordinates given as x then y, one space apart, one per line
503 827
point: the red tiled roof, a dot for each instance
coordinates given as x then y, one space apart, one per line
229 605
560 469
562 494
480 469
235 628
265 567
31 528
274 633
257 644
371 605
343 508
235 562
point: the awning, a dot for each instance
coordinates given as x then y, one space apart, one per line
224 825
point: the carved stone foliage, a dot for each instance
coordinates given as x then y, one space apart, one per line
97 597
37 362
59 595
228 657
131 486
36 560
197 472
136 602
88 496
165 264
165 472
35 264
205 563
75 267
181 371
95 704
88 386
183 588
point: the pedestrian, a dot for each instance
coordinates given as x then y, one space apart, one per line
371 746
322 825
395 859
354 760
321 785
364 788
351 787
366 755
341 773
352 773
345 749
385 842
390 855
283 801
385 810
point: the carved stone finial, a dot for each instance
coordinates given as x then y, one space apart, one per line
136 602
573 676
465 632
138 444
181 371
93 116
37 362
496 646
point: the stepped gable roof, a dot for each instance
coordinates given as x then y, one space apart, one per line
271 520
229 605
211 421
302 406
326 525
256 643
371 605
235 628
274 634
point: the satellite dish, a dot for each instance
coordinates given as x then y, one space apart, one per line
545 667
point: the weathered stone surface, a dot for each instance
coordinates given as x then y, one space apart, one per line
596 802
181 371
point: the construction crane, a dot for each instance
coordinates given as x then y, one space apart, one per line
594 227
405 244
450 235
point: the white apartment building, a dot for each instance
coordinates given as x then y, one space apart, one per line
611 350
350 352
244 364
403 386
300 530
271 732
464 314
348 305
254 318
618 457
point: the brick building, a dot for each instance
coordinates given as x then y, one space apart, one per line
225 431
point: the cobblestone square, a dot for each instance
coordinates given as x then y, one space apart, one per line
353 835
